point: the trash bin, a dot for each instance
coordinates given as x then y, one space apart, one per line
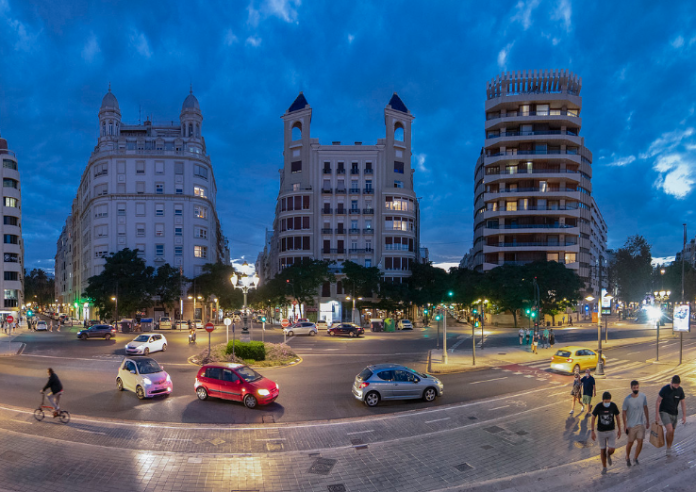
125 327
146 324
389 324
376 325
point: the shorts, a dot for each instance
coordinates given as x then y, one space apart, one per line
607 439
637 432
668 418
587 399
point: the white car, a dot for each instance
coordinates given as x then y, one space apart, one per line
404 324
322 325
41 326
146 343
164 323
144 376
303 328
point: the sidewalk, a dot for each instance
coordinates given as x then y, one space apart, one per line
8 347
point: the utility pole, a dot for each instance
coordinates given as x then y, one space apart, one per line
444 336
681 333
600 364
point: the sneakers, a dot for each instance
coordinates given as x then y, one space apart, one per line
669 452
604 471
609 459
636 462
582 408
628 462
571 412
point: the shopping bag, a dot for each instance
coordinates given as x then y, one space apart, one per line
657 435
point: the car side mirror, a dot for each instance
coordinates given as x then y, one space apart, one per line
132 371
416 380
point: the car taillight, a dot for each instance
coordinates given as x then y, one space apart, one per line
364 385
569 360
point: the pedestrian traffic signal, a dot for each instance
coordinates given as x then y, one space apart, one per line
425 311
475 311
263 319
477 324
438 317
30 313
450 293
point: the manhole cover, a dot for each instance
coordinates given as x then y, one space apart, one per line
486 447
494 429
337 487
322 466
521 433
217 441
464 467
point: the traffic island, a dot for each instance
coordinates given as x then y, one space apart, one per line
255 354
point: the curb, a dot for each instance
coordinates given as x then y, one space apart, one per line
18 352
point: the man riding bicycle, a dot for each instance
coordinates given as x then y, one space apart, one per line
56 388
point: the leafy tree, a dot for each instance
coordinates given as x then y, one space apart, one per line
304 279
167 285
126 276
38 287
428 284
392 296
672 280
467 285
632 269
360 281
269 294
510 288
559 287
214 281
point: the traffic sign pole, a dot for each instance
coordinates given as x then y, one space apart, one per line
227 322
209 327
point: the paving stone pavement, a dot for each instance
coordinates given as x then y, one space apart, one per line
474 446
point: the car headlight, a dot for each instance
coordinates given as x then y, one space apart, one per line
147 381
169 378
264 392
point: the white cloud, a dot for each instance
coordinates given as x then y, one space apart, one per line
139 42
420 162
91 49
24 39
623 161
503 55
350 39
230 38
666 142
523 12
285 10
678 42
254 41
254 15
676 174
563 12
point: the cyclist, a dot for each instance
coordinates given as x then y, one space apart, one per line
56 388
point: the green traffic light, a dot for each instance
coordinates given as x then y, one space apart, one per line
450 293
30 313
533 314
476 324
263 319
475 311
528 311
425 311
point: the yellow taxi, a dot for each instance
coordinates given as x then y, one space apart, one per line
574 359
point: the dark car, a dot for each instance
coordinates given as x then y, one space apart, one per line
346 329
97 331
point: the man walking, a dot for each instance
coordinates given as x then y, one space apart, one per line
521 334
607 413
526 335
667 409
636 419
546 338
589 389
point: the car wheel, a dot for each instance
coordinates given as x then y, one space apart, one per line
83 337
352 334
146 352
312 333
164 347
107 337
250 401
429 394
140 392
119 384
201 393
332 333
372 399
291 333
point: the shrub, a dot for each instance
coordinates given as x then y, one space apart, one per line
247 350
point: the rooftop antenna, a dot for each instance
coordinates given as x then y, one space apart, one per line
140 112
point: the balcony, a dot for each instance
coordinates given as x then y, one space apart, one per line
326 191
357 251
512 152
341 211
341 231
355 190
530 171
368 171
532 190
368 191
550 112
529 134
355 171
326 210
354 231
340 191
368 231
327 230
531 226
340 170
368 211
354 211
327 171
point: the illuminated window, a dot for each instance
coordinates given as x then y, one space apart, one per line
200 251
200 191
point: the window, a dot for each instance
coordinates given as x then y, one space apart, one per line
159 167
121 209
159 230
296 167
159 188
159 210
11 299
140 167
101 231
297 131
178 231
11 258
296 186
179 190
200 212
11 275
178 251
399 167
100 252
9 220
178 168
368 263
305 202
11 239
399 132
201 233
200 171
178 210
10 202
101 211
140 187
200 251
9 183
141 250
139 209
8 164
200 191
101 190
140 230
159 250
121 167
398 184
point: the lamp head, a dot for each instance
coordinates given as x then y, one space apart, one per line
234 279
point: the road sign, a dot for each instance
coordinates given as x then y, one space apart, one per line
209 327
285 323
294 303
227 321
10 319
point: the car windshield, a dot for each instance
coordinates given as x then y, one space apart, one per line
148 366
365 374
142 338
248 374
563 353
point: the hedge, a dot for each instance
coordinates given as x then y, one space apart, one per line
247 350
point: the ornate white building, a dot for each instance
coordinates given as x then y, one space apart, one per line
147 186
12 280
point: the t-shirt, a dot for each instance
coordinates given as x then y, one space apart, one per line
605 416
634 410
670 399
588 383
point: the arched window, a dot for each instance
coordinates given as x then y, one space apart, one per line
198 130
111 127
104 129
117 128
190 132
297 131
398 132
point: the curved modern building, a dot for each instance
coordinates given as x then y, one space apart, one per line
533 190
12 280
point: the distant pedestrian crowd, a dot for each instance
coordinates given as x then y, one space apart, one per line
534 338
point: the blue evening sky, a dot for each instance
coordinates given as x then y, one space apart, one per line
248 60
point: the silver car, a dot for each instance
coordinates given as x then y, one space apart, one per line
394 382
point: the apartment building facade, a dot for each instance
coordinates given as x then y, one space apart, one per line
533 190
345 202
12 279
147 186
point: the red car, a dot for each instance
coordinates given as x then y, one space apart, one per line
235 382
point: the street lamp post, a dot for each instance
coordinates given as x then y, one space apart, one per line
115 299
352 314
483 318
245 282
661 296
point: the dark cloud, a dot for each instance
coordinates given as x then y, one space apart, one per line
248 61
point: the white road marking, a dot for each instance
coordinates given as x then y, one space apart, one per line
457 344
498 408
359 432
528 376
488 380
436 420
175 439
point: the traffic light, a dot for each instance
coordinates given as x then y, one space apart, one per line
438 317
450 293
533 314
477 324
263 319
30 313
475 311
528 311
425 311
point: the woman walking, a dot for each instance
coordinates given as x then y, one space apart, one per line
576 393
552 338
526 336
521 334
535 343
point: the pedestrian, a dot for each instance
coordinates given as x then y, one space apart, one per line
521 334
51 329
635 407
576 393
535 343
546 337
526 336
589 389
552 338
667 409
14 327
607 413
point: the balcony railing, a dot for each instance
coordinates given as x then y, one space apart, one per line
524 262
368 231
355 251
355 171
340 171
534 152
354 230
527 134
326 191
530 190
368 191
533 171
341 211
326 230
341 230
355 190
550 112
326 210
341 191
327 171
520 245
368 211
530 226
532 207
354 211
368 171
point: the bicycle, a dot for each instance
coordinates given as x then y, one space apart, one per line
39 413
